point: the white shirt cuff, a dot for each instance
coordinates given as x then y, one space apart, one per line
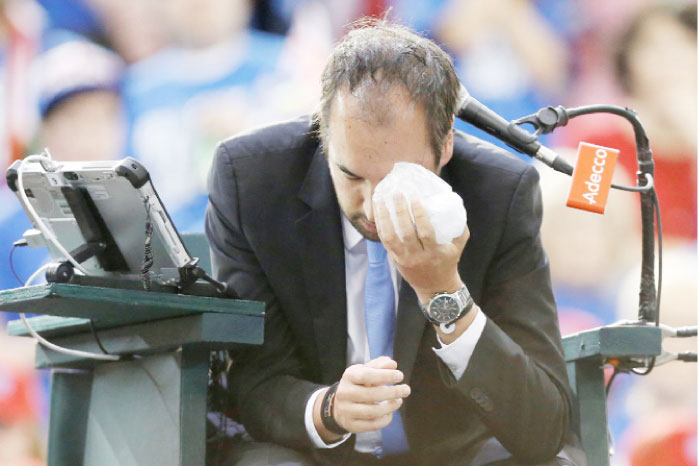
457 354
311 428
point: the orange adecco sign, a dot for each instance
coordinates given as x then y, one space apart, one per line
590 184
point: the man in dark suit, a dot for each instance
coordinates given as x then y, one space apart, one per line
473 371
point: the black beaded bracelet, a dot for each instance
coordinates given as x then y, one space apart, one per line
327 411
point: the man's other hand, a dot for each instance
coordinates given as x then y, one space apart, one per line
366 398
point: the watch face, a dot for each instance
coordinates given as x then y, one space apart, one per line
444 309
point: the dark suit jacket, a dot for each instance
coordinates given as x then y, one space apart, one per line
274 226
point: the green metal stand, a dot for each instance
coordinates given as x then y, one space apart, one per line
586 353
150 407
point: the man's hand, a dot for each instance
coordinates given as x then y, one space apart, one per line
366 398
429 267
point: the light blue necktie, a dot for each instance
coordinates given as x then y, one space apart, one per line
380 322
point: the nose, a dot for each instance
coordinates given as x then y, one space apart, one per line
367 204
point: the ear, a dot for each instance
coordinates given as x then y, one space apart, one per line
447 148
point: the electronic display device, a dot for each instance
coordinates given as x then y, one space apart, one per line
103 212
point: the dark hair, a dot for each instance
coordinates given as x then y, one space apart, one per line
686 16
387 53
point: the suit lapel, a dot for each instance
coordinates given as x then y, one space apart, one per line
410 325
319 233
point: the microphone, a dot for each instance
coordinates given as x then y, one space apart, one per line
479 115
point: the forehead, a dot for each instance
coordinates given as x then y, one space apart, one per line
378 125
375 99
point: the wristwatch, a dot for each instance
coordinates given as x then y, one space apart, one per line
444 308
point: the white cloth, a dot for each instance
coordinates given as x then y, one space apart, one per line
456 355
444 207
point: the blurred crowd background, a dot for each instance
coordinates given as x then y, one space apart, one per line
164 81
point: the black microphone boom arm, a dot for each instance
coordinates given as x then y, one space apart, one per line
545 121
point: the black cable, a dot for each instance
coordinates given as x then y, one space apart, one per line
610 381
633 189
649 368
147 249
12 265
636 189
97 338
659 233
627 113
659 230
563 166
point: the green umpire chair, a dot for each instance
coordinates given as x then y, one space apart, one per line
150 407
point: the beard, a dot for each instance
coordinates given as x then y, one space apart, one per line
360 222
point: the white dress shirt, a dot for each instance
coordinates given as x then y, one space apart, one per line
456 355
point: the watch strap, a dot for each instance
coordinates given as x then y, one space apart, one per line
464 298
327 411
449 327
